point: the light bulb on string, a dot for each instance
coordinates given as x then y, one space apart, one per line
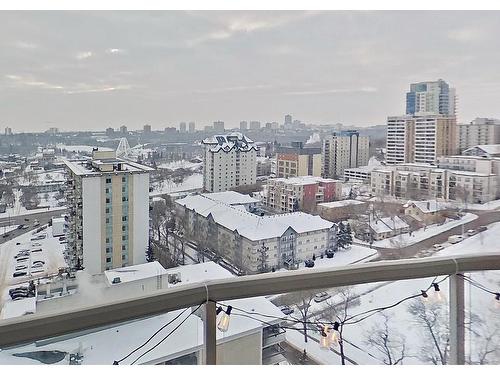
223 325
335 335
425 296
324 342
437 295
497 301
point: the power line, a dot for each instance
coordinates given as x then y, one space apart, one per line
149 339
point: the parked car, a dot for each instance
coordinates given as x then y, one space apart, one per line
19 274
309 263
455 239
36 251
18 243
329 253
20 226
471 232
26 219
38 270
438 246
6 235
36 244
22 259
36 223
322 296
17 289
287 310
21 267
39 261
482 228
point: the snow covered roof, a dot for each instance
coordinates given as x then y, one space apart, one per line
229 141
136 272
303 180
249 225
12 309
427 206
387 224
336 204
493 149
231 197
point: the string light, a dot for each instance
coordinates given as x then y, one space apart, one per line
223 325
497 301
425 296
437 296
324 342
335 335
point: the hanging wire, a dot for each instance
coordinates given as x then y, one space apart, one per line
154 334
167 336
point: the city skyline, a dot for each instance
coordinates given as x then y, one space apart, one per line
90 70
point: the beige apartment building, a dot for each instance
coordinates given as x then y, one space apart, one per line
480 131
296 160
420 139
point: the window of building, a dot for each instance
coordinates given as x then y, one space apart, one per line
108 180
124 179
107 190
107 210
124 199
107 239
108 260
108 200
124 218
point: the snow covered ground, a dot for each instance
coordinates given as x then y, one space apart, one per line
185 164
419 235
195 181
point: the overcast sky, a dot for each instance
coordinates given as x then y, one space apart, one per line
90 70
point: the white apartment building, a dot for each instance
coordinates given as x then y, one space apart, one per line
109 212
481 131
228 161
420 139
237 235
426 181
344 149
359 174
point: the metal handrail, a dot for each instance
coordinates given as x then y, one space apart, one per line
27 329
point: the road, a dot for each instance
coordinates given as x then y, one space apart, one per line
28 219
410 251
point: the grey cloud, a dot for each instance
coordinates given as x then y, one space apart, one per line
169 66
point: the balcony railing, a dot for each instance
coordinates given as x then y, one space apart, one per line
17 331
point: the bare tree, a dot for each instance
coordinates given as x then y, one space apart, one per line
338 311
387 341
432 318
158 217
301 301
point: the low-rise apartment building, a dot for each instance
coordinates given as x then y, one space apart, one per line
301 193
425 181
237 235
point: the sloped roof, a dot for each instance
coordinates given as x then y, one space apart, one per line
249 225
387 224
229 141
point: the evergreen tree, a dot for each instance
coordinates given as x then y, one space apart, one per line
344 236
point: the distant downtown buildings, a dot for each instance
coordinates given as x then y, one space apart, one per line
109 212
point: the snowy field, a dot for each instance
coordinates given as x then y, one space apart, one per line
195 181
19 209
185 164
422 234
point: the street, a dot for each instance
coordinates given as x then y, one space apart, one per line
42 217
